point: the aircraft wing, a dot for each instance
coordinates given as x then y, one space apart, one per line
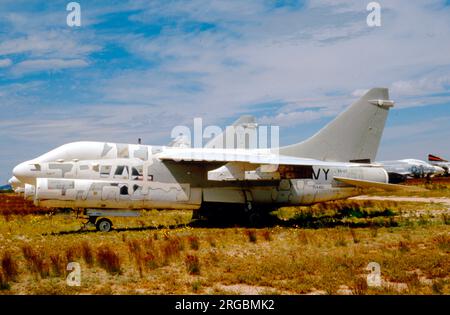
371 184
240 164
242 156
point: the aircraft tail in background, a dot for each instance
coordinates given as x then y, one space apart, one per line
435 158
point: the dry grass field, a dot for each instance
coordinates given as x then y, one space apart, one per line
324 249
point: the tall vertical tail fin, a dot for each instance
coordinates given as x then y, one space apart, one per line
354 135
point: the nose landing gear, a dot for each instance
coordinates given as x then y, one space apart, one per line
98 217
102 224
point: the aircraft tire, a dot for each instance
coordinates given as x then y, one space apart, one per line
103 225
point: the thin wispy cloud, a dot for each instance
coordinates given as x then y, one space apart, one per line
47 65
5 62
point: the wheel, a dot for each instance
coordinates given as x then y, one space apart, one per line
103 225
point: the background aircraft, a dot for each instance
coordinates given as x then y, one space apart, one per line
400 170
438 161
113 179
5 188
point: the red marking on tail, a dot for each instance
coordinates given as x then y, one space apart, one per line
435 158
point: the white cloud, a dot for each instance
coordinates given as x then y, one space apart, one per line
416 130
338 6
424 85
282 55
47 65
288 119
84 123
415 140
51 44
5 63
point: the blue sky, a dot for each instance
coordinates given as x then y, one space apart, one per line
138 68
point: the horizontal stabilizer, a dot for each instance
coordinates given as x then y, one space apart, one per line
371 184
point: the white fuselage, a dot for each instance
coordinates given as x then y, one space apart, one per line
121 176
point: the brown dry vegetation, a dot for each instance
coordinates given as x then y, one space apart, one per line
13 204
436 187
321 249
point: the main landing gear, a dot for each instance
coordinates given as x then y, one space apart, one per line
248 214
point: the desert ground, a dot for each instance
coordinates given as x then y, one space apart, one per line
323 249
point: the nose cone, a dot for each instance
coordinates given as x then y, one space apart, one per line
20 171
23 173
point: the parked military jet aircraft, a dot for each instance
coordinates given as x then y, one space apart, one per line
438 161
112 179
400 170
